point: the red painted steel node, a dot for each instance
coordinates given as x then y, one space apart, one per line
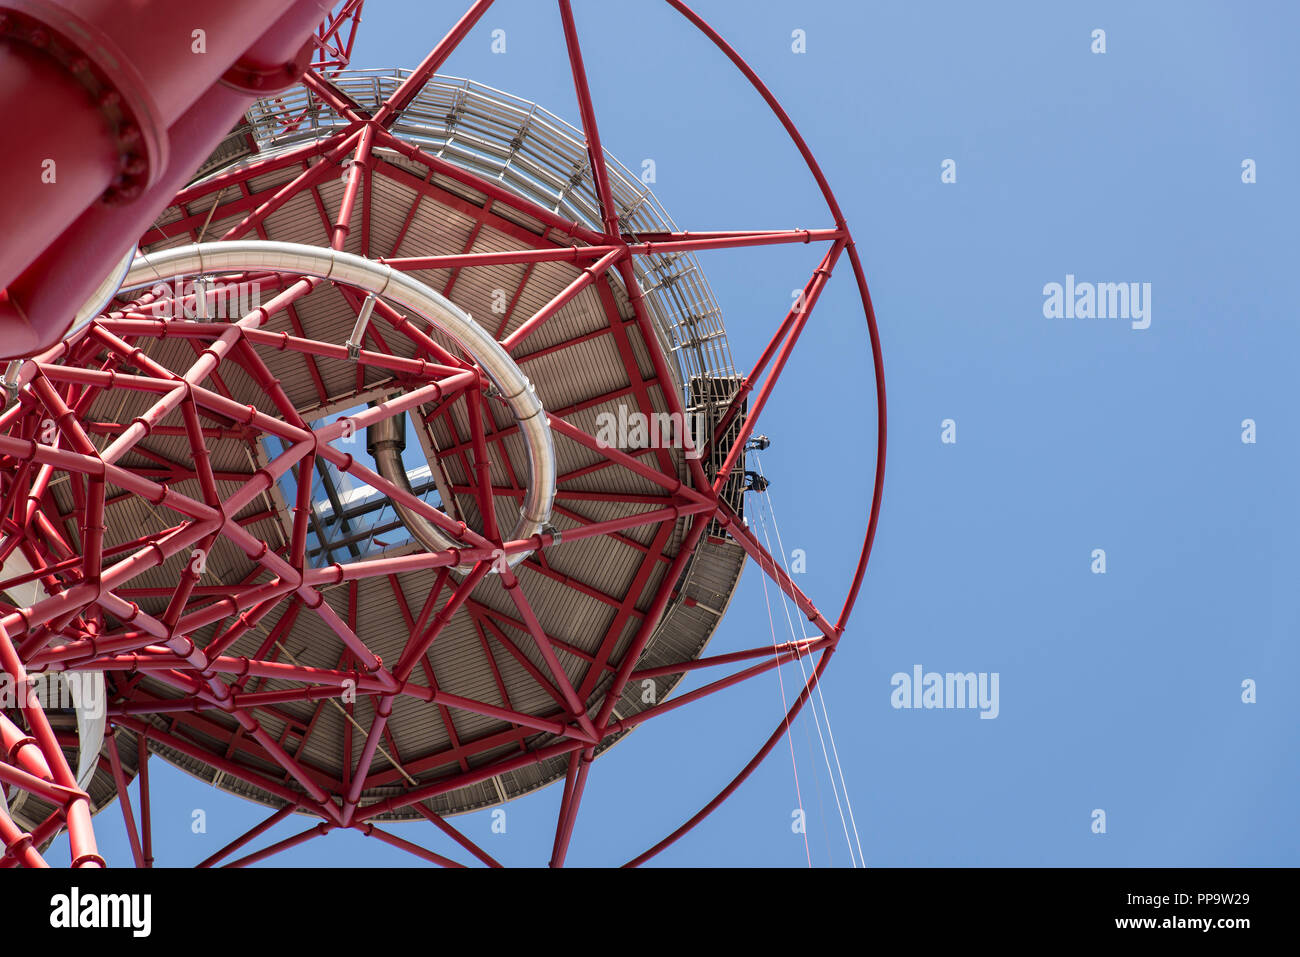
327 497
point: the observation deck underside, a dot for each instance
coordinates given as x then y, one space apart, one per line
589 595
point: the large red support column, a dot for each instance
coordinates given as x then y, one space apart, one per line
117 98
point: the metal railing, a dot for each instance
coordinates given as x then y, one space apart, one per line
536 154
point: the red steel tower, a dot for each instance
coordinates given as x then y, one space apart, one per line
377 454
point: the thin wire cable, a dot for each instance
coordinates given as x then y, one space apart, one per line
785 709
817 720
817 778
821 804
817 684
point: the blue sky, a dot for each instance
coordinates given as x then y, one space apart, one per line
1121 691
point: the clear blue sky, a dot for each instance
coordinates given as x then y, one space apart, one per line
1119 691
